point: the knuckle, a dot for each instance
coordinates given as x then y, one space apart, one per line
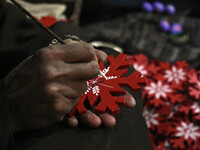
58 107
72 101
58 117
44 54
102 56
50 73
89 50
51 91
68 40
73 94
63 107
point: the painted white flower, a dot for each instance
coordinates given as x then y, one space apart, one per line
188 131
158 89
95 83
95 90
104 72
150 117
175 75
196 108
140 69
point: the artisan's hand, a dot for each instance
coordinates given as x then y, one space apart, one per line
93 120
46 86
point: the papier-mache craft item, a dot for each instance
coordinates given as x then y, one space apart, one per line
106 93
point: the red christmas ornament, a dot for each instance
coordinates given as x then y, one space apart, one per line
109 89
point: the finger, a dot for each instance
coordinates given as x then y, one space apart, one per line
61 99
69 88
74 51
82 71
75 88
107 119
71 121
90 119
76 71
101 56
67 41
129 100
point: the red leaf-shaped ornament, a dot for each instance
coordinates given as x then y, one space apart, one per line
108 90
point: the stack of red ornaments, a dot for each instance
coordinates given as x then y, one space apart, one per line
171 103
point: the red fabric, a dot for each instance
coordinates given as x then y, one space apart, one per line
171 103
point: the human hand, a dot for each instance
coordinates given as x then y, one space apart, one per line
46 86
93 120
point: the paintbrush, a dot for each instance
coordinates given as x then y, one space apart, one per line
47 29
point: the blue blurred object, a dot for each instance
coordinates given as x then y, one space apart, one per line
176 28
122 3
147 6
170 9
164 25
158 6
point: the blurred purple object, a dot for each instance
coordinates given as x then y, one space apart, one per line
158 6
176 28
170 9
147 6
164 25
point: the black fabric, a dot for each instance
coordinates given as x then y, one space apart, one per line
15 42
139 33
4 118
20 38
97 11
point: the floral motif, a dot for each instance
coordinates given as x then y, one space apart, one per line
188 131
158 89
140 68
171 103
150 117
175 75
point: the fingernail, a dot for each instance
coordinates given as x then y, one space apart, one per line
131 103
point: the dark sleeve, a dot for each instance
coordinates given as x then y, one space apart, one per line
18 40
20 37
4 119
